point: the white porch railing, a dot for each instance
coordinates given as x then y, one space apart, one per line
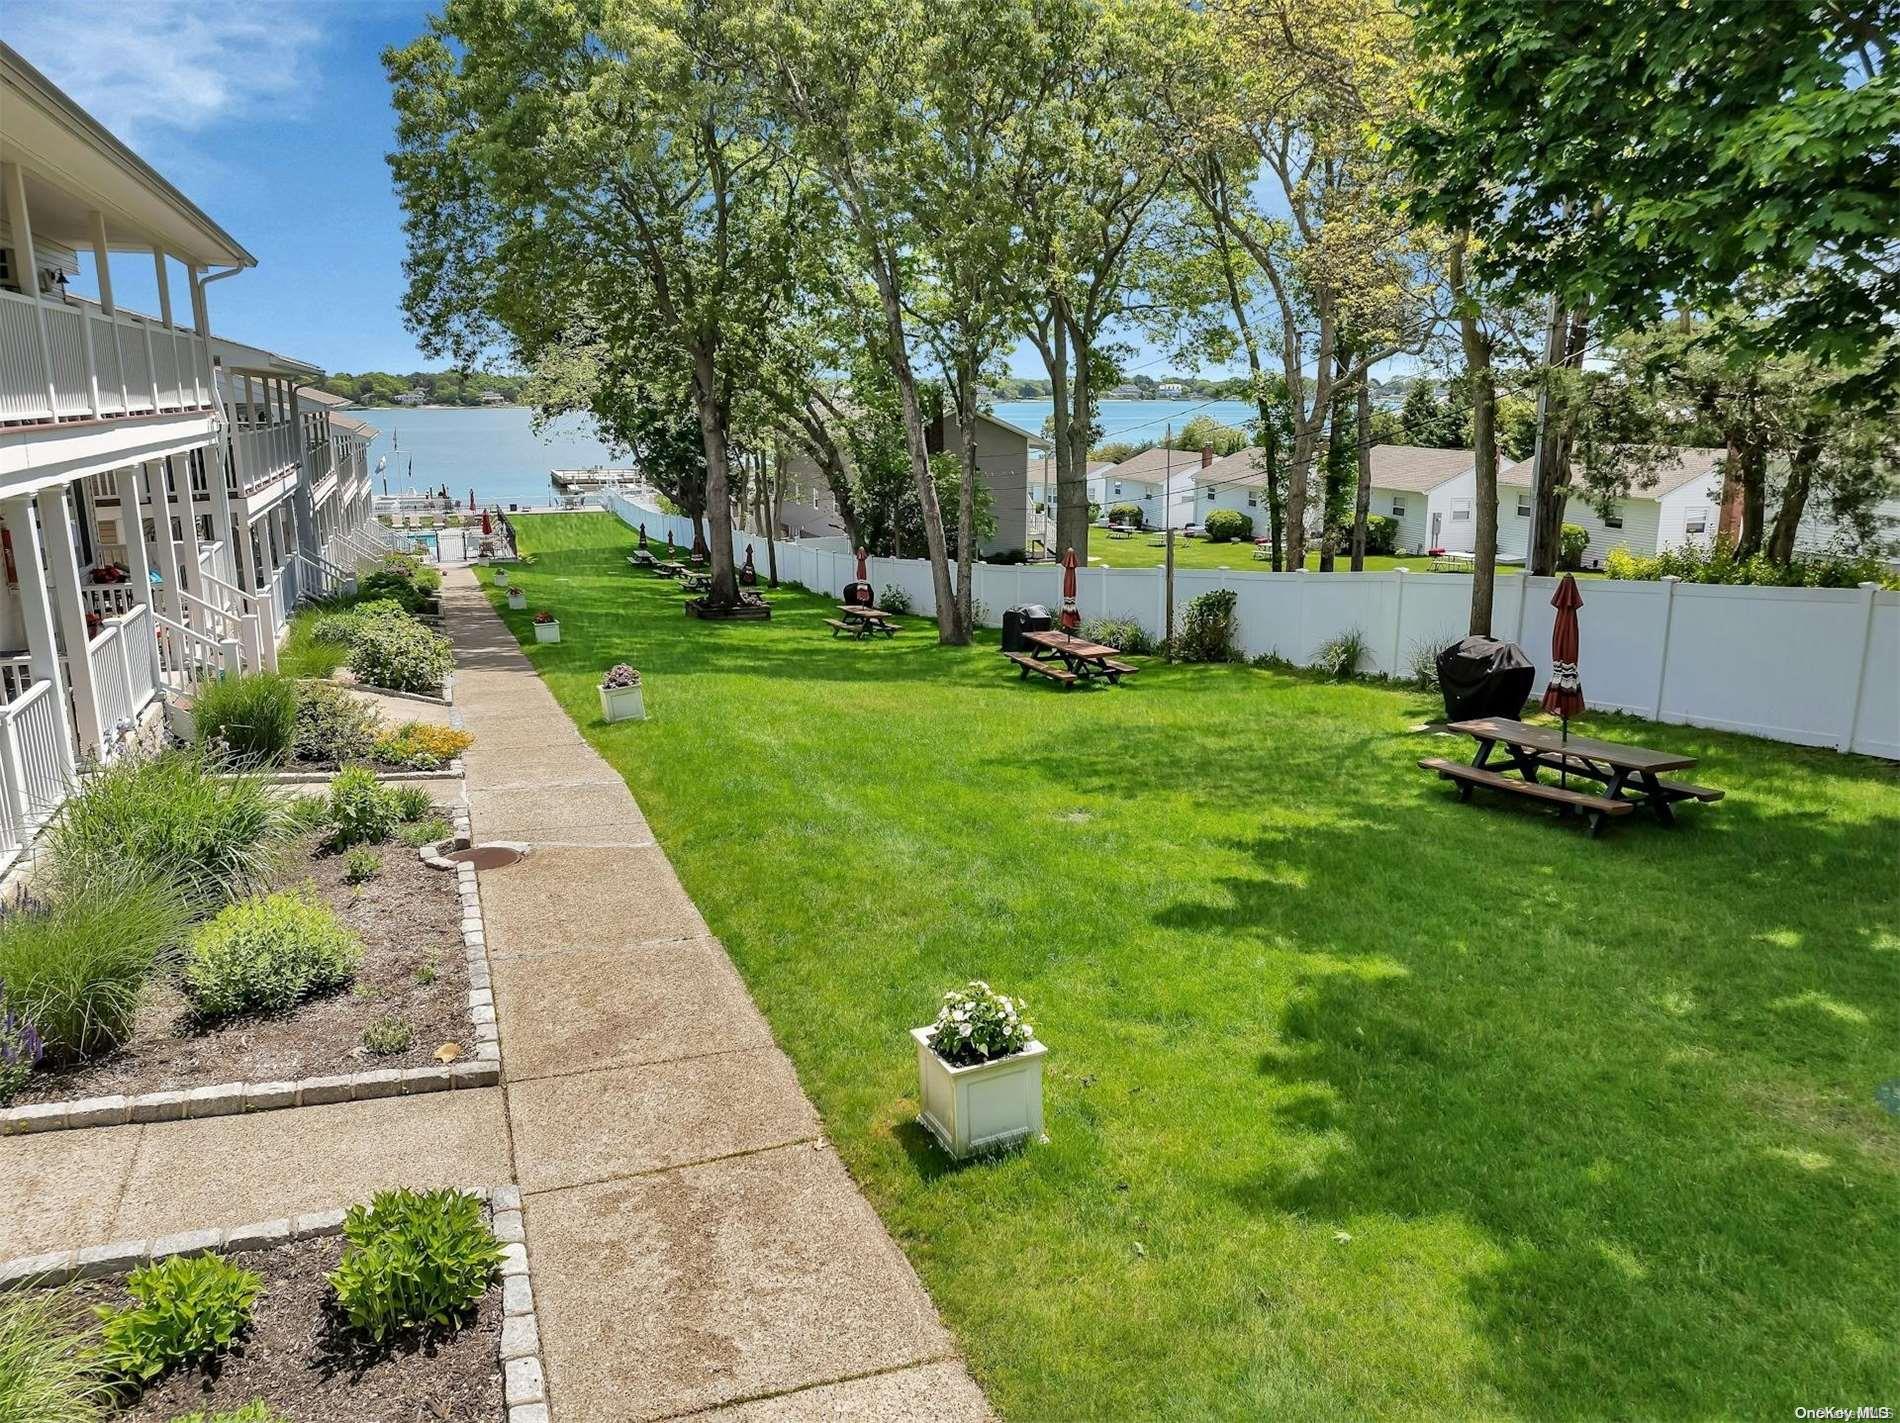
265 453
258 615
16 675
286 590
92 364
187 657
33 752
318 577
108 600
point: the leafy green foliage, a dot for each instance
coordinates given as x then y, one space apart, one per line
414 1260
429 831
267 954
1128 514
362 810
894 599
1382 534
256 1411
75 964
251 720
361 865
1210 629
421 746
412 803
1572 540
1124 634
1340 657
402 655
1717 563
186 1309
1225 525
212 836
44 1378
334 727
387 1035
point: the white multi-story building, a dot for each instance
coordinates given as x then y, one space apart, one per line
166 497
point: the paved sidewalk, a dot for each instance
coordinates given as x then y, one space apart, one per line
697 1246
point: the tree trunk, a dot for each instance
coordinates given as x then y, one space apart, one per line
1794 497
1276 497
774 490
1072 484
1299 470
1362 503
1754 497
966 494
1569 334
724 592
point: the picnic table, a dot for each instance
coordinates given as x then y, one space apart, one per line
696 582
1454 563
861 622
671 570
1066 659
1629 776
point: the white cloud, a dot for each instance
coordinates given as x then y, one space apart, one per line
153 70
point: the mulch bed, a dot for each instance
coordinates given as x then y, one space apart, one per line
296 1358
409 919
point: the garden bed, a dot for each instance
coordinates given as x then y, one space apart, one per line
296 1358
414 969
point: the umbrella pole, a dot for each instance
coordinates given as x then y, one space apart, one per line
1563 771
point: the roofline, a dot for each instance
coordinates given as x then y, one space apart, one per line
1037 441
58 100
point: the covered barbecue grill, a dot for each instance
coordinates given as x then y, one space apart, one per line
1029 617
1481 676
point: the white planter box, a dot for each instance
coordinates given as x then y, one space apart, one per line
982 1108
501 577
547 632
622 704
517 600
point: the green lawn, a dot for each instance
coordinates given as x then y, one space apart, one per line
1361 1102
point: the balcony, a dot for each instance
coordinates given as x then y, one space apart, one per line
264 454
89 366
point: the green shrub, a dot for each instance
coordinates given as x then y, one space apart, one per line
266 954
212 836
1572 540
1129 514
1210 631
256 1411
247 721
1339 658
1124 634
1382 534
75 965
362 810
402 655
421 746
412 803
386 1036
1717 563
186 1309
44 1378
1224 525
894 599
414 1260
1422 662
334 727
394 587
360 865
418 833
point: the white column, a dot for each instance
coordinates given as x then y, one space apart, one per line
36 610
188 527
164 287
162 540
102 261
138 561
70 613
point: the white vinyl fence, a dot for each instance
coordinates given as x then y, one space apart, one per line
1815 666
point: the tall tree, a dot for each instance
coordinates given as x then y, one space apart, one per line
594 162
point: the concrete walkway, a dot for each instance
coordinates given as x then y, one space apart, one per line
697 1246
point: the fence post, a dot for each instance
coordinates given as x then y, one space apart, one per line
1398 621
233 657
253 642
1867 591
1669 583
267 625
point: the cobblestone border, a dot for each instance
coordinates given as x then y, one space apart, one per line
483 1069
524 1382
454 771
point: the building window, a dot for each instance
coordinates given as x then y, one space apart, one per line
1253 500
1461 511
1696 521
1614 519
1398 508
1523 503
1206 493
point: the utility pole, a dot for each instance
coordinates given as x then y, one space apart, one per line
1167 514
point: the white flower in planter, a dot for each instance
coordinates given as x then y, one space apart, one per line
980 1073
620 696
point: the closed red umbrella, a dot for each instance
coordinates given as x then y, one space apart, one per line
863 574
486 529
1071 617
1563 694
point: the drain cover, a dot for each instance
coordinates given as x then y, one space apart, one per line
484 857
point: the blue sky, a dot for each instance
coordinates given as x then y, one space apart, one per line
275 120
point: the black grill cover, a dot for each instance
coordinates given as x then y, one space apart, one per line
1482 677
859 595
1030 617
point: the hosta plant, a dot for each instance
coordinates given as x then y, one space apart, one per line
977 1024
185 1309
414 1260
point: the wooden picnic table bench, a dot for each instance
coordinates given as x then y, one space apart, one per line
1629 776
861 622
671 570
1066 659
